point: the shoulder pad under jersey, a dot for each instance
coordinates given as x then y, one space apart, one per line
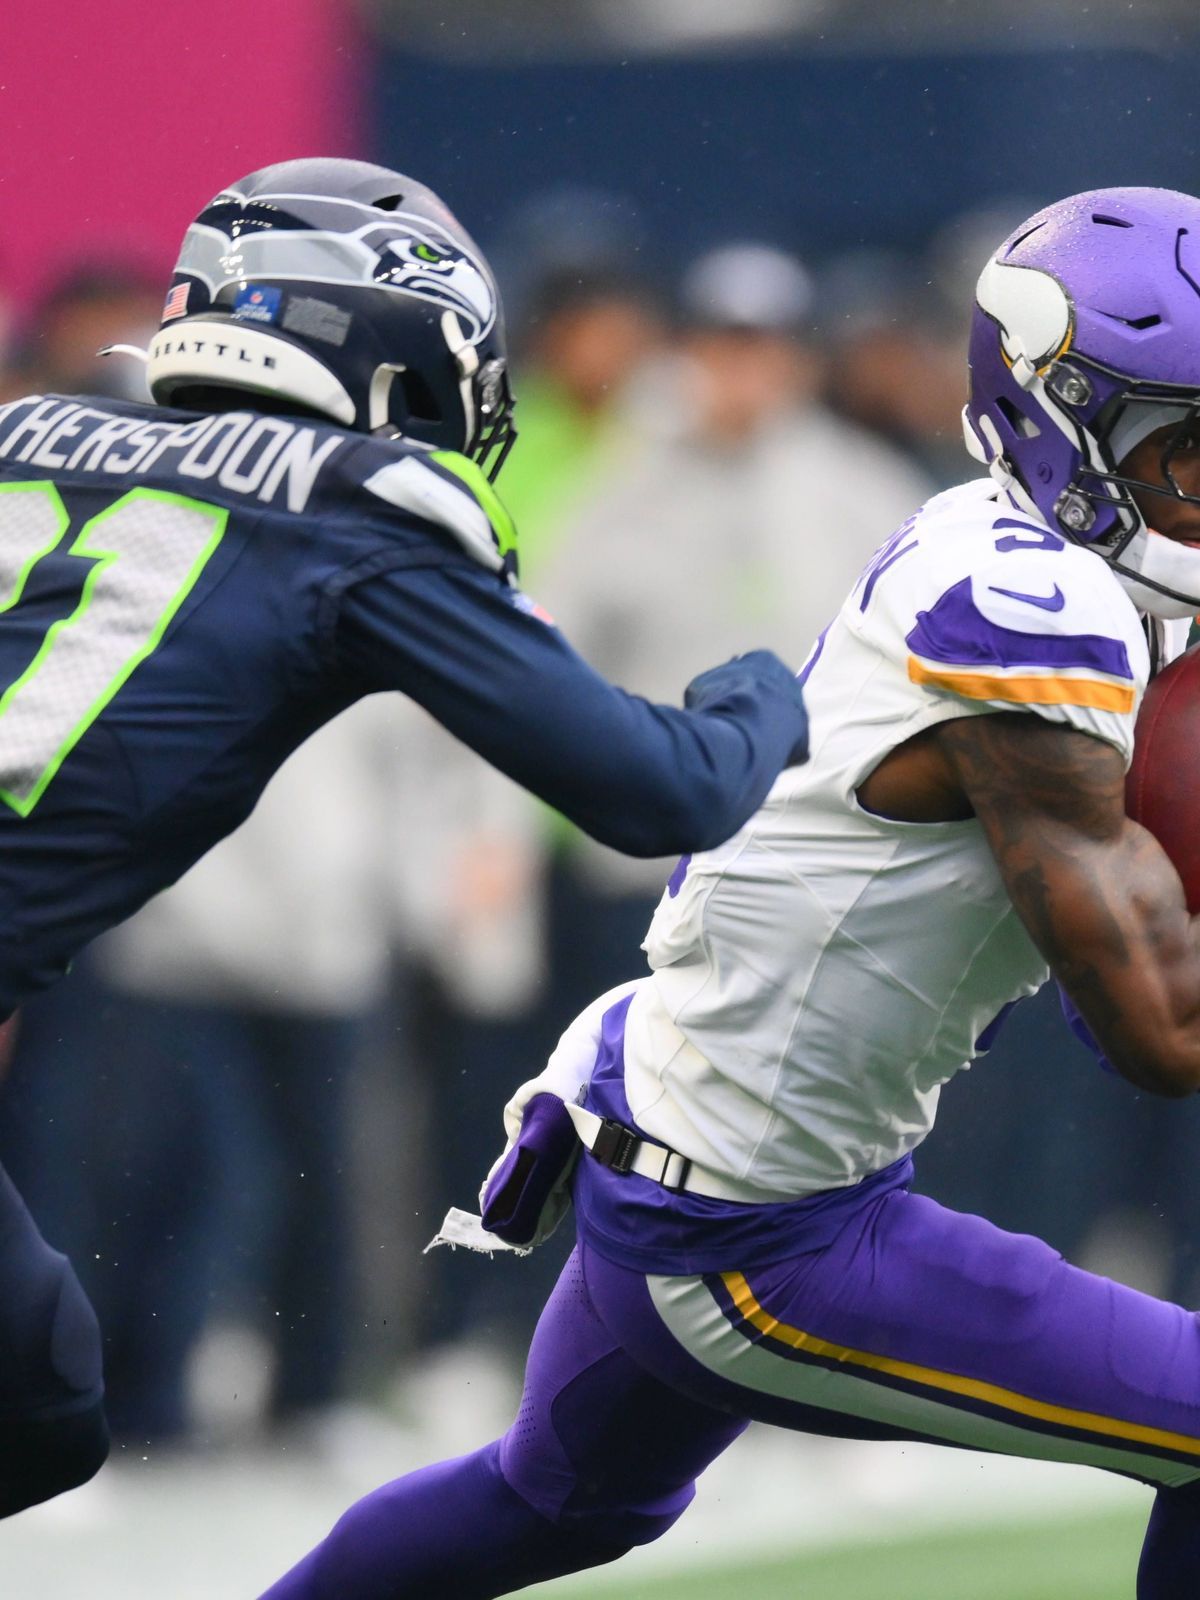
985 610
449 490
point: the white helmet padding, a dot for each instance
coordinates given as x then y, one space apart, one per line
221 351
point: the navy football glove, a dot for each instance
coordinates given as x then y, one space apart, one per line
757 673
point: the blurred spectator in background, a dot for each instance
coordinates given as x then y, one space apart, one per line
745 512
896 326
474 1010
590 331
95 304
585 320
896 358
469 974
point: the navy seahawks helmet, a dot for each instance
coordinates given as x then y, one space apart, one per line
345 290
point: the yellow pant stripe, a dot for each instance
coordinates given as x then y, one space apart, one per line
972 1388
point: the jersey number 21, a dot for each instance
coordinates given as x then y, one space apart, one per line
147 550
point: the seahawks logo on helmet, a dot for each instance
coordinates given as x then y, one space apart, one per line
424 262
389 319
407 253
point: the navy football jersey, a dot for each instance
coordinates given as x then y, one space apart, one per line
184 599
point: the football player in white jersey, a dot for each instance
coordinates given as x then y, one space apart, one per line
749 1248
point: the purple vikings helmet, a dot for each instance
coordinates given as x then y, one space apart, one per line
344 290
1085 340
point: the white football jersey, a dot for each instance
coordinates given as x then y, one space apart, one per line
817 978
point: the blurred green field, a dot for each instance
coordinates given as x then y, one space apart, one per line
1071 1558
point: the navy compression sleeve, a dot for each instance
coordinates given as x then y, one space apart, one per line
649 780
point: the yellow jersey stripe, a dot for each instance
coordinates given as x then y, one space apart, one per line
971 1388
1030 691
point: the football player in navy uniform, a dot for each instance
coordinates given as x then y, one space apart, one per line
189 589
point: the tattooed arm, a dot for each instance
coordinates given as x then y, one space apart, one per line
1098 895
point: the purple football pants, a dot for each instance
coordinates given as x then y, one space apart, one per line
916 1323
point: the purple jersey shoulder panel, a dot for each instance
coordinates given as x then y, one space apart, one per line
955 632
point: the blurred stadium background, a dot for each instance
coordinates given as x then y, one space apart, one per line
736 242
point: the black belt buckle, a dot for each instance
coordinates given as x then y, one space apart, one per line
615 1146
685 1168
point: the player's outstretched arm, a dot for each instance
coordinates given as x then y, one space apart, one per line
1096 891
647 779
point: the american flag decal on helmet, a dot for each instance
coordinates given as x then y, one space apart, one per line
175 304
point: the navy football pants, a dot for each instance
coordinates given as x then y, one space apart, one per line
53 1435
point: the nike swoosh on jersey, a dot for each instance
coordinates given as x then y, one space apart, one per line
1054 602
956 647
955 632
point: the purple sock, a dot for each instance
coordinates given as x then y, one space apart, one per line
455 1530
1170 1564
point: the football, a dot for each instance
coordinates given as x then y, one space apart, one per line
1164 779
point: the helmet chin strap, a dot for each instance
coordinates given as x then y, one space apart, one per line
1159 575
379 394
990 451
133 350
466 363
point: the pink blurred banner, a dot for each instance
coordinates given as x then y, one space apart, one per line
119 119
